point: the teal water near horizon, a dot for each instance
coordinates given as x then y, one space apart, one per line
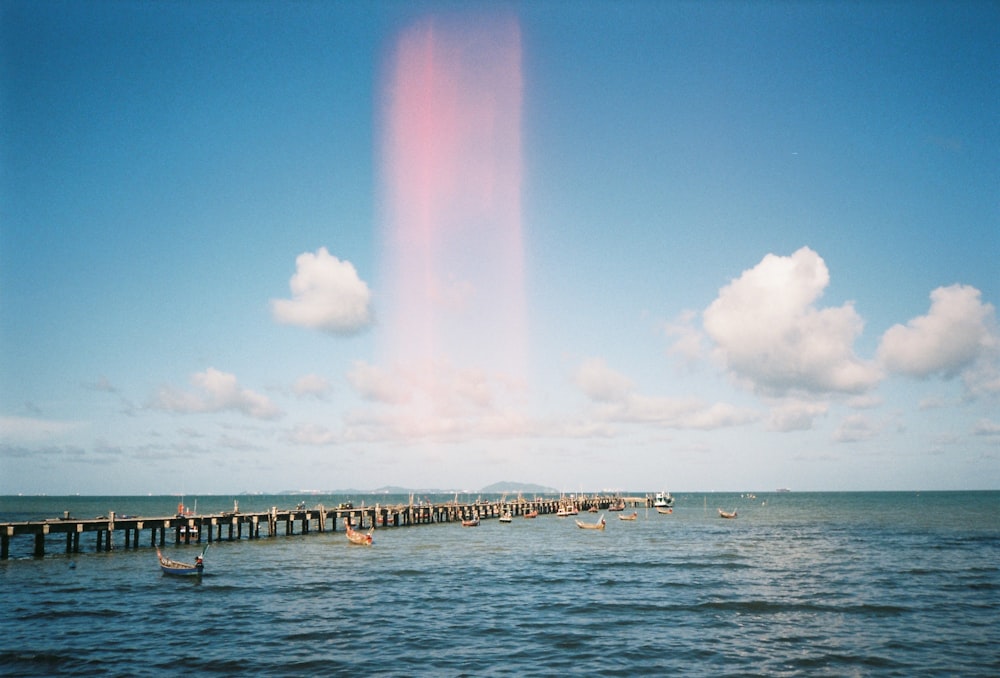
835 584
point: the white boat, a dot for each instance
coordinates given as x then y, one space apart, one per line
663 500
506 517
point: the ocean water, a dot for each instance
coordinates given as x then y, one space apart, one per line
812 584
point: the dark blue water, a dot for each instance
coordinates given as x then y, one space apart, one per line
869 584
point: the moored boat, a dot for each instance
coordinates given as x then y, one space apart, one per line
663 500
506 517
356 537
660 509
727 514
531 514
472 522
631 516
599 525
175 567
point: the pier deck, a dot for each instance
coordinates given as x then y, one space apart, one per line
111 532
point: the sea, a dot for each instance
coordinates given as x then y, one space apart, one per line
799 584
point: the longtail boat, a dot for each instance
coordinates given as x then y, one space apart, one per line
474 522
599 525
631 516
727 514
355 537
176 567
660 509
531 514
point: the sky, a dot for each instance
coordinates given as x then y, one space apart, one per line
624 246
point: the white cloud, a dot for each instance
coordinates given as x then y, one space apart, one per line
31 429
378 384
797 415
769 332
601 383
855 428
311 385
867 401
327 295
617 402
687 338
987 427
312 434
958 332
217 392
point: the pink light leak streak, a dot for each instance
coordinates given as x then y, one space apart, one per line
453 261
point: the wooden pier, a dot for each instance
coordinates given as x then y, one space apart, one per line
111 532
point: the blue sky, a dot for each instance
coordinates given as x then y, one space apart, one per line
756 246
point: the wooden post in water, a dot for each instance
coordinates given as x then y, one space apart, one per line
40 542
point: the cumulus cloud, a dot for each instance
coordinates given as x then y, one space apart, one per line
770 334
327 295
957 336
216 392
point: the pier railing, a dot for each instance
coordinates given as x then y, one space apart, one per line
113 532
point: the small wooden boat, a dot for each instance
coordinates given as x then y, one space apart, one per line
620 506
599 525
531 514
660 509
727 514
631 516
473 522
506 517
359 538
175 567
592 509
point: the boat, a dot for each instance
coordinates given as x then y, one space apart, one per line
727 514
506 517
663 500
599 525
631 516
531 514
472 522
664 511
620 506
567 510
356 537
175 567
593 509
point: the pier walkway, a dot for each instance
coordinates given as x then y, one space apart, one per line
114 532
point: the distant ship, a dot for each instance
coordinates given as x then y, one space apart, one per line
782 489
